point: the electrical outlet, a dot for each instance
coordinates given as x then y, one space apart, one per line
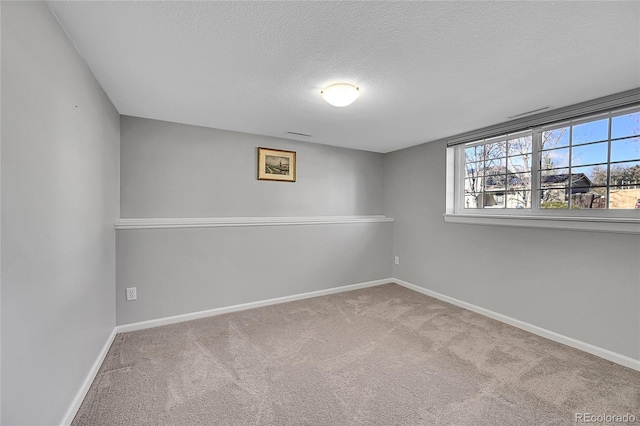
397 260
131 294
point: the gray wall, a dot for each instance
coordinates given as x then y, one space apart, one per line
175 170
179 271
59 200
178 170
584 285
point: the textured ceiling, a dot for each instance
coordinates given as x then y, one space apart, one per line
426 70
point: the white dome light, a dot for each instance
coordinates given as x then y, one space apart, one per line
340 94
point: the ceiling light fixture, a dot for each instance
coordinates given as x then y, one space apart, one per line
340 94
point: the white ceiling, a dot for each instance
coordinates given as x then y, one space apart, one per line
427 70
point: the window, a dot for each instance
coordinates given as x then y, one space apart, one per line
581 168
593 164
497 174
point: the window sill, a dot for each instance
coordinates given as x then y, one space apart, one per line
593 224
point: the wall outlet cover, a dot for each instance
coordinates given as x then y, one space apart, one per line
132 294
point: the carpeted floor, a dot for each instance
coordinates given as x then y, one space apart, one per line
383 355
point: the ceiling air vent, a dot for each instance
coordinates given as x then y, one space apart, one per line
299 134
530 112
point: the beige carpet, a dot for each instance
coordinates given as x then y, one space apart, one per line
379 356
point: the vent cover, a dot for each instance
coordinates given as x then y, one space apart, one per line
299 134
530 112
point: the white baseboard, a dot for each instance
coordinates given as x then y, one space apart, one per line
244 306
551 335
93 372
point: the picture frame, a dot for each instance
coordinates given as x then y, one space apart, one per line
276 164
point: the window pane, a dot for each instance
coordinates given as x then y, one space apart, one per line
473 169
553 199
484 200
519 181
521 163
495 149
593 199
471 202
554 185
592 131
625 149
554 158
519 146
518 200
624 198
493 200
554 177
579 183
473 154
589 154
589 175
494 182
495 166
625 174
555 138
473 186
625 125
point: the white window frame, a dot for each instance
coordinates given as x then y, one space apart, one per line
599 220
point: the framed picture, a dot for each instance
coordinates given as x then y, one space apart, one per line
275 164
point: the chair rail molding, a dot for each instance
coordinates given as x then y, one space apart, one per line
216 222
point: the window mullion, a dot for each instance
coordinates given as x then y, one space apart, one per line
608 181
570 177
459 179
505 195
536 145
